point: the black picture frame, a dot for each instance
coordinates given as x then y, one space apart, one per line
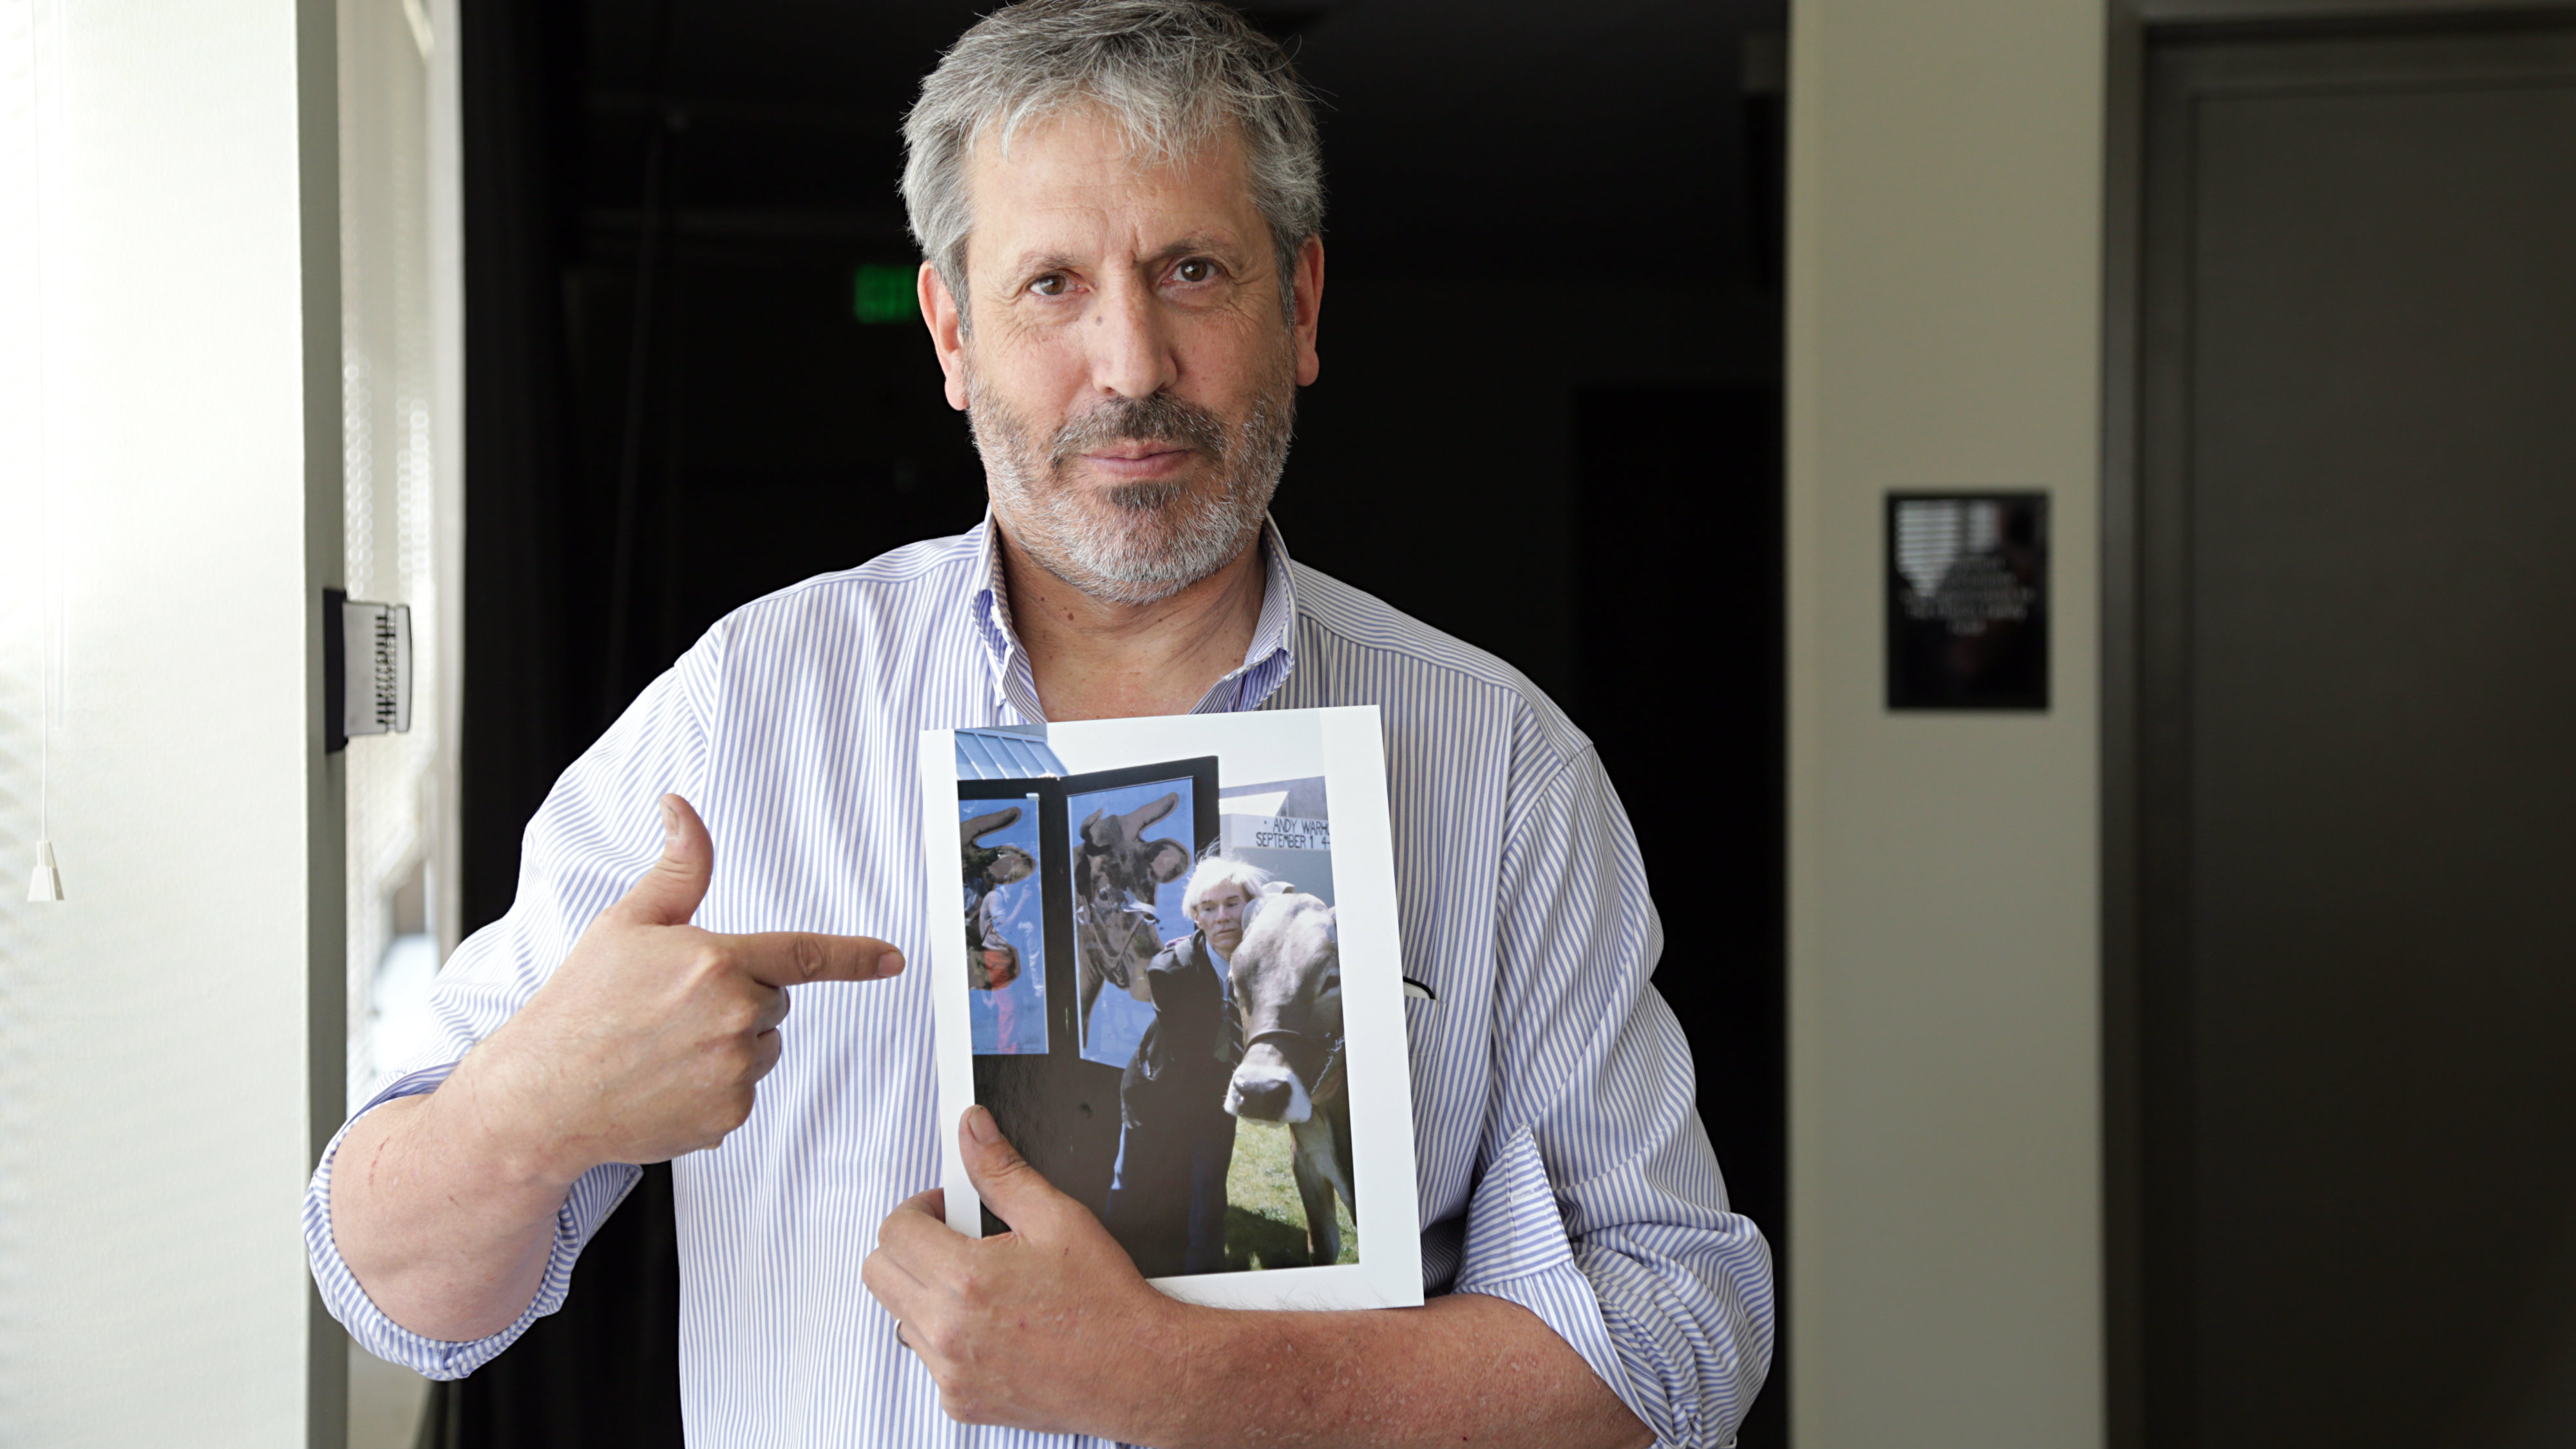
1967 600
1061 1109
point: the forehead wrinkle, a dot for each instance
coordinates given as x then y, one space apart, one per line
1184 200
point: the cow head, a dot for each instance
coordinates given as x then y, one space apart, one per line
1287 977
1116 855
1010 862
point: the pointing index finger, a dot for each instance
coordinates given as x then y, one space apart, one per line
798 958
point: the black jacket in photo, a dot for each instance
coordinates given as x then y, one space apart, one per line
1193 1041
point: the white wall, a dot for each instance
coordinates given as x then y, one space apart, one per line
169 1034
1943 330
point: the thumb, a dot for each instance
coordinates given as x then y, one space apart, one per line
1015 1191
669 893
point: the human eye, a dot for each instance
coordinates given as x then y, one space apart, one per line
1053 284
1195 271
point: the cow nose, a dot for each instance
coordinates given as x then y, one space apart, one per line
1266 1100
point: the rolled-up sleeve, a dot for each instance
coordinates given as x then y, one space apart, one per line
599 829
1599 1206
594 1195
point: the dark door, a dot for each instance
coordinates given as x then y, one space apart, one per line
2357 742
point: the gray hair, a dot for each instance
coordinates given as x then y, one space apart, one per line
1218 871
1175 74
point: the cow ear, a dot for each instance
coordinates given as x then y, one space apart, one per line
1149 812
1278 888
1333 925
986 824
1252 910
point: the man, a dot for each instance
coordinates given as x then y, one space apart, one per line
1175 1138
1120 203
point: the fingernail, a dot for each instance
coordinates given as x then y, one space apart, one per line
890 964
670 826
980 1123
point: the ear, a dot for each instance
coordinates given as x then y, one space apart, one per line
1279 888
947 324
1307 309
1149 812
1333 925
1000 819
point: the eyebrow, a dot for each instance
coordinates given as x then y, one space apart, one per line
1033 264
1036 263
1198 242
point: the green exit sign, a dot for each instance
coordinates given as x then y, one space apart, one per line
885 294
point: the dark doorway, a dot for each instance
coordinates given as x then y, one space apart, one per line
685 392
2355 1222
1655 690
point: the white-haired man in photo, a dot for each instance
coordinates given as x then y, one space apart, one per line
1120 206
1175 1138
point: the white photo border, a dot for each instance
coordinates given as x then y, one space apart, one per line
1353 764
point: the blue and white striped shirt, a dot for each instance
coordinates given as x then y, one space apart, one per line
1561 1163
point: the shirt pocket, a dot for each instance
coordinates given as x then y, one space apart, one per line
1423 1021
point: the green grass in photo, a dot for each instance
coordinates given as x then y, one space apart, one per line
1265 1223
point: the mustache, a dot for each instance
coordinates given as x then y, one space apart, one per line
1158 419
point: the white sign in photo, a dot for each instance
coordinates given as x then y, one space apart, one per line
1275 832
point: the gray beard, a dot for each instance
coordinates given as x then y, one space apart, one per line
1136 543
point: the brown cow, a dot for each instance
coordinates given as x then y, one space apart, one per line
1287 978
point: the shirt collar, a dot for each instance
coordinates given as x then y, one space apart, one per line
1266 664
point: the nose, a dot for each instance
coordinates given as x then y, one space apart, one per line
1130 356
1265 1100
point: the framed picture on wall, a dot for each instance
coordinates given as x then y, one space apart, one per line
1967 601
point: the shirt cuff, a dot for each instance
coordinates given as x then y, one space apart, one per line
594 1195
1517 1250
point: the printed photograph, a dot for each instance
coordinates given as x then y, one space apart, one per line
1005 926
1196 1091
